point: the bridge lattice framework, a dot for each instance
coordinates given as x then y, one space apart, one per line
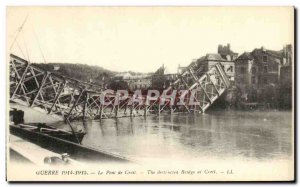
74 99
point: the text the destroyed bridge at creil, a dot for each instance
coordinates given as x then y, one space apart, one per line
192 92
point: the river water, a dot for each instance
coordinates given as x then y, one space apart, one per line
217 134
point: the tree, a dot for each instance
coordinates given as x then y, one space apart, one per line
118 85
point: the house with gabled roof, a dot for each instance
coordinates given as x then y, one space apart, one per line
206 62
257 73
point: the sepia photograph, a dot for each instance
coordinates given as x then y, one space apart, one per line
162 93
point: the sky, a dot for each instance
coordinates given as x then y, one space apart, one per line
141 39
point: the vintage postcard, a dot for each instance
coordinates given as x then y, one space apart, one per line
150 93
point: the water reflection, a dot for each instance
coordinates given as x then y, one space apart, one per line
255 135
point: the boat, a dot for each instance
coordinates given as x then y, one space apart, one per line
58 140
17 121
58 144
51 131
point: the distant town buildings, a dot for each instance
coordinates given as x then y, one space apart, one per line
134 81
56 67
262 75
139 82
180 69
258 73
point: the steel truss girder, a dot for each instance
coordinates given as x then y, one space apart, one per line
74 99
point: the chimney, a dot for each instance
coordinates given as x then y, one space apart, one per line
284 51
220 49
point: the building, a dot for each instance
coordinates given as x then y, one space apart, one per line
257 73
122 76
206 62
180 69
56 67
226 53
134 80
286 86
142 82
224 56
286 79
163 81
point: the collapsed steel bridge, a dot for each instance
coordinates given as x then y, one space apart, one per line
74 99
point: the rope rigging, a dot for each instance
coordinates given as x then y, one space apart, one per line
18 32
15 41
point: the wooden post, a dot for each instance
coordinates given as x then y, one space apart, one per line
101 112
145 107
171 106
146 110
131 110
117 107
85 106
125 110
158 109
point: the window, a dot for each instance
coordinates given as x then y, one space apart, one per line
265 58
230 69
265 69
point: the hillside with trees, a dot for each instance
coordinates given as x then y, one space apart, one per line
83 72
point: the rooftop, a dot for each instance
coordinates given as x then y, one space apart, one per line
211 57
245 56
